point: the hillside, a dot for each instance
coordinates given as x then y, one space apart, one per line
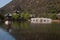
33 6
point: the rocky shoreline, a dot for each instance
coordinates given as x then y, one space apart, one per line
58 21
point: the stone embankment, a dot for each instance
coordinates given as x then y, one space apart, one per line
58 21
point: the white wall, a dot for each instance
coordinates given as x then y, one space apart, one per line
40 20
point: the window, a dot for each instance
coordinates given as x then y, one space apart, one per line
47 20
44 20
41 20
36 19
33 20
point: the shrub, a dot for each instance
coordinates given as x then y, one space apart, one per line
52 16
15 16
25 15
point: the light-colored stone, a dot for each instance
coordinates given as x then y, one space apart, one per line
41 20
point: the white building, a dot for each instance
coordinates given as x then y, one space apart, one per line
41 20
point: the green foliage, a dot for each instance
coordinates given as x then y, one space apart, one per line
52 16
52 10
25 15
24 25
2 16
15 15
21 25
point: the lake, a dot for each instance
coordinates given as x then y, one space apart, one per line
30 31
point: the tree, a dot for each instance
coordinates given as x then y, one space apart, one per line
25 15
15 16
52 16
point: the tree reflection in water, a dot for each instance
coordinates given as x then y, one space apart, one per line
20 26
28 31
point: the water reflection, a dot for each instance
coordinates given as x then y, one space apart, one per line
21 25
29 31
8 25
5 35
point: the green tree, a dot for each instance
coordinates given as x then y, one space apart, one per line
25 15
15 16
52 16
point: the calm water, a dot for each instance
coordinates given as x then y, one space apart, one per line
5 35
29 31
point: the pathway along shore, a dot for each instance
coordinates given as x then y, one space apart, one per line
57 21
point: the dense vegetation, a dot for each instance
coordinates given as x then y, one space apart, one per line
21 16
24 16
41 8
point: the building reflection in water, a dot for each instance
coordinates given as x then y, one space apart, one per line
8 25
